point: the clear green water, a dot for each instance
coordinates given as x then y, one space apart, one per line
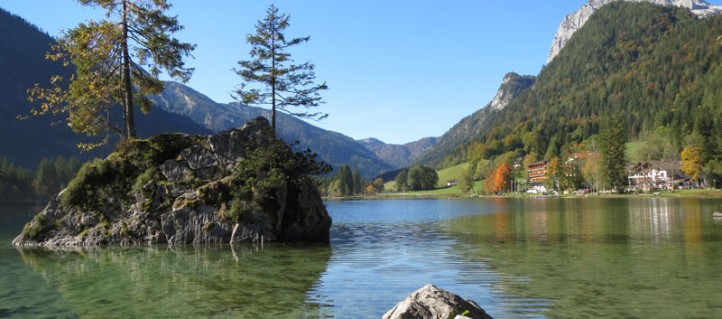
531 258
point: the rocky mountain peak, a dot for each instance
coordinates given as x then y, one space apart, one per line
576 20
511 86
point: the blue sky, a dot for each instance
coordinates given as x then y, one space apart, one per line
396 70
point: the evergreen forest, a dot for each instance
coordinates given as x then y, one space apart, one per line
657 68
22 185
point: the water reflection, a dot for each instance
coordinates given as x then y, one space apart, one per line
530 258
591 220
240 282
383 250
601 258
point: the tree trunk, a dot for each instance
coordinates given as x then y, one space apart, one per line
273 108
273 83
128 85
233 234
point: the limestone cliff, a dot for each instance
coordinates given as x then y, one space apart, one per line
576 20
241 185
512 86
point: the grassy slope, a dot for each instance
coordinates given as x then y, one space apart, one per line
454 172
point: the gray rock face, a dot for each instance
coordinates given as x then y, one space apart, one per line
431 302
576 20
190 197
511 87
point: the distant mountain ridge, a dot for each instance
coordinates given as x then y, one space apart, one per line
400 155
333 148
23 64
576 20
178 109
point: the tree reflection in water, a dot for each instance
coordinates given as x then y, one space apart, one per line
203 281
642 258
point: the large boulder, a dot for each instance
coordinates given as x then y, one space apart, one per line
431 302
241 185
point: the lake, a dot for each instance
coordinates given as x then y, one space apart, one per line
517 258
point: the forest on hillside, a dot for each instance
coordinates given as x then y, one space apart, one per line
657 68
22 185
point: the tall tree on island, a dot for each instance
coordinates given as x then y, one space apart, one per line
117 62
280 83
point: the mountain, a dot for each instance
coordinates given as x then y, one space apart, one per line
23 64
656 68
471 126
333 148
180 99
576 20
451 147
178 109
511 86
400 155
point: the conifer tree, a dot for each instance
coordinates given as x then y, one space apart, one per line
358 187
117 62
345 177
614 162
281 84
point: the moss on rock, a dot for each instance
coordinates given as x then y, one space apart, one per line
179 188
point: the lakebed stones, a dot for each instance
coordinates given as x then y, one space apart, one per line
431 302
180 189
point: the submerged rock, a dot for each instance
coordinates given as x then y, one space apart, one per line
241 185
431 302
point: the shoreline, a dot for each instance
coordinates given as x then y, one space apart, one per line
688 194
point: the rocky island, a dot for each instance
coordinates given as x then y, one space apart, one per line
239 186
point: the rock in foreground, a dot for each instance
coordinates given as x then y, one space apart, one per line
431 302
241 185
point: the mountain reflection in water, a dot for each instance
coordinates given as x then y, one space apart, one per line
616 258
518 258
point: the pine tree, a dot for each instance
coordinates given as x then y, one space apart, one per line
345 177
614 163
117 62
15 182
358 187
46 179
282 84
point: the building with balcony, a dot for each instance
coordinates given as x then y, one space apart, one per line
537 173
